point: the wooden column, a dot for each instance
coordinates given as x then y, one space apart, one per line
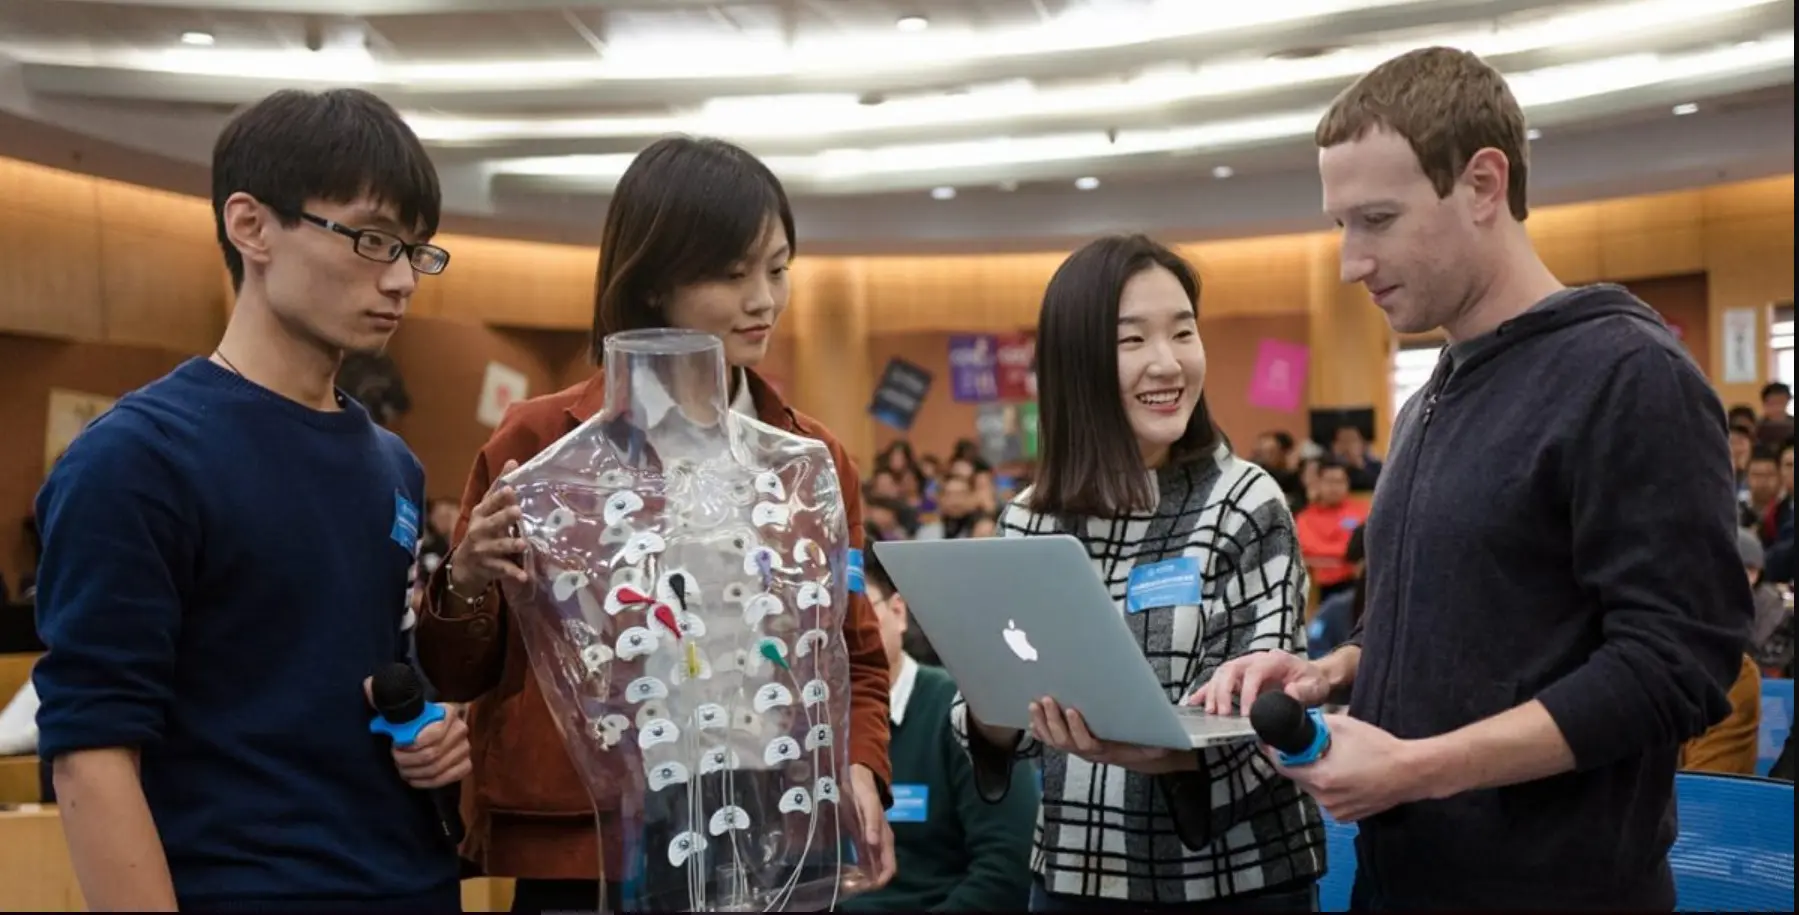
832 378
1352 346
1748 232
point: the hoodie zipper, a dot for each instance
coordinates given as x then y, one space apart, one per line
1432 391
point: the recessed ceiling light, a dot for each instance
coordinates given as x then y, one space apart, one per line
1008 185
197 39
1086 183
1533 134
912 23
1223 171
943 193
1685 108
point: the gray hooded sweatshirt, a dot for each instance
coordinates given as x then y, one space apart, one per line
1556 521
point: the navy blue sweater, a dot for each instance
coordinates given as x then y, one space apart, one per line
1556 522
221 569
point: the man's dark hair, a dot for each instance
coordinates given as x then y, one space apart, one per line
1780 452
1743 413
1762 453
1089 462
1328 463
1282 438
1776 387
685 210
338 146
1448 104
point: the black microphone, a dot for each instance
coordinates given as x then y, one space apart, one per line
399 697
1299 734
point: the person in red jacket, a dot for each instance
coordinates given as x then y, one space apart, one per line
698 236
1324 528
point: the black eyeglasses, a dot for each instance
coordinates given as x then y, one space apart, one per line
385 247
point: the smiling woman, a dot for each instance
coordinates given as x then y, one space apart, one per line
1133 466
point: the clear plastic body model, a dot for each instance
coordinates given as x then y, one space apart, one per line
688 570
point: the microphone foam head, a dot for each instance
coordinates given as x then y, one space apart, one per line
398 693
1281 722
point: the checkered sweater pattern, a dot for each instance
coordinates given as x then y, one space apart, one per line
1107 832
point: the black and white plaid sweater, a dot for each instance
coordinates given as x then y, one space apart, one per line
1108 832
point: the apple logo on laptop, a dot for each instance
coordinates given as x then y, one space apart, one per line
1019 642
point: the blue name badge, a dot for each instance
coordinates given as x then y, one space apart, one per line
1169 583
406 522
854 579
909 803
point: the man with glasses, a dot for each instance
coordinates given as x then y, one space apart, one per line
226 554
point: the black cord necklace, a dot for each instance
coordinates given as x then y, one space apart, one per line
233 368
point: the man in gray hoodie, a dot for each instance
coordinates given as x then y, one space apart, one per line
1554 599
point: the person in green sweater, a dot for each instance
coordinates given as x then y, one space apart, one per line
956 852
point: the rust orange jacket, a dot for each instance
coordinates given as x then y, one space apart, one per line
528 813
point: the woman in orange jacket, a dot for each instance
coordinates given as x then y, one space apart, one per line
698 236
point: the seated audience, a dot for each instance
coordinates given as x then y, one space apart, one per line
1779 524
435 545
983 525
1324 527
1742 445
956 852
1275 453
888 518
957 510
899 460
979 475
1743 415
1351 450
1771 635
1776 424
1760 509
886 484
1339 613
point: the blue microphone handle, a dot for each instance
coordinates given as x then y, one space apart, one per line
406 733
1321 741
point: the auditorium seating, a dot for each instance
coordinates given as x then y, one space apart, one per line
1734 852
1776 724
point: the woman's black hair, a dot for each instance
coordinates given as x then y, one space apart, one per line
685 211
1089 462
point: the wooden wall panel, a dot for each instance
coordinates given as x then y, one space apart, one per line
969 293
1683 302
831 375
49 252
1253 275
1232 341
102 262
34 366
516 283
444 363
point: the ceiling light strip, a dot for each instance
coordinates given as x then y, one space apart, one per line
1534 89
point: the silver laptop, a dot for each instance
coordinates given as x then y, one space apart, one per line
1018 618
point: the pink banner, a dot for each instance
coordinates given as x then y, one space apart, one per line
1279 382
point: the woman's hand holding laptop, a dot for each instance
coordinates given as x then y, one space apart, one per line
1065 730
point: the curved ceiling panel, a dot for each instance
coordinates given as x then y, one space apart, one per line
890 122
